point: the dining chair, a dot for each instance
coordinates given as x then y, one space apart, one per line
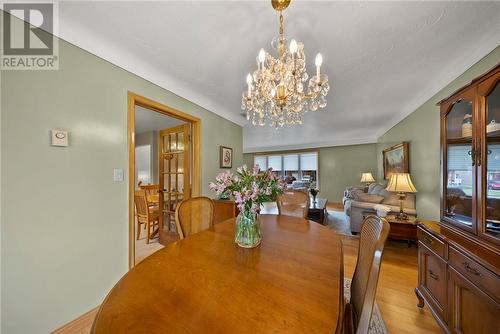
358 310
145 215
293 203
152 192
194 215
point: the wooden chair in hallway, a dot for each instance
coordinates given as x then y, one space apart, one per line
194 215
152 192
358 311
145 215
293 203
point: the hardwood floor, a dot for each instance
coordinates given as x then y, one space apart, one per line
334 206
81 325
142 249
395 296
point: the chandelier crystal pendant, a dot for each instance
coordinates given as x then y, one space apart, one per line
278 93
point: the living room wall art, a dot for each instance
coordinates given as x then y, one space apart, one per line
226 157
396 160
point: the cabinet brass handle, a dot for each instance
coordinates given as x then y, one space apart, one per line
428 240
471 270
433 276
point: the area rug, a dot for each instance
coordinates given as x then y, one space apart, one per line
337 221
377 325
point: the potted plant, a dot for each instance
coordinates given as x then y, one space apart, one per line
249 188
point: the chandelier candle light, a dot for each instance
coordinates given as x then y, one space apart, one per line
276 94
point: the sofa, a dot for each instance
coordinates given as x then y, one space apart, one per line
360 201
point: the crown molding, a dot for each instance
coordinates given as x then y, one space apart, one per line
319 144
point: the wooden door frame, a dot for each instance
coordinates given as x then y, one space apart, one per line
138 100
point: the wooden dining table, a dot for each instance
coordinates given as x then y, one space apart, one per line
291 283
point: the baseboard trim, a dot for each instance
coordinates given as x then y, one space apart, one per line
78 325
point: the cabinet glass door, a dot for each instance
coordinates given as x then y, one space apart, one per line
492 163
459 164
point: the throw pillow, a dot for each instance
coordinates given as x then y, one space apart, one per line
376 189
353 193
371 186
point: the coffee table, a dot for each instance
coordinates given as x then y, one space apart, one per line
317 210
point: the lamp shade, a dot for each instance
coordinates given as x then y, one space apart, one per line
401 183
367 177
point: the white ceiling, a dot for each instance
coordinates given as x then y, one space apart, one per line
384 59
147 120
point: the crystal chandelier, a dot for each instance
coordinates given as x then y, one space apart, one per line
277 94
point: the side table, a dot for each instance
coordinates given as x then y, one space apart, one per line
401 229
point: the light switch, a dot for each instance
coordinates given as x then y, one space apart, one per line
59 138
118 175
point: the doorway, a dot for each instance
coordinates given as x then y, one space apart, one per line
164 165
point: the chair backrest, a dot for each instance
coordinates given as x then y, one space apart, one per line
194 215
293 203
141 205
151 189
374 232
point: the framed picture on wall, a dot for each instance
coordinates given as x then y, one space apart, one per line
396 160
226 157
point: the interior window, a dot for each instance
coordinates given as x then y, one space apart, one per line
261 161
309 166
300 167
274 162
291 167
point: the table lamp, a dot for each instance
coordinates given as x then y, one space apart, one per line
401 184
367 178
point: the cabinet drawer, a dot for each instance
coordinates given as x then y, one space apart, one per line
432 279
431 242
475 272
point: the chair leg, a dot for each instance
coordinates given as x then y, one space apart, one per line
147 232
138 230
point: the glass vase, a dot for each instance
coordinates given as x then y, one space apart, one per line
247 230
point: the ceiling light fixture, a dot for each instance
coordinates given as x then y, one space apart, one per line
276 94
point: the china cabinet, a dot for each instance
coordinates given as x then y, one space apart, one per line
459 258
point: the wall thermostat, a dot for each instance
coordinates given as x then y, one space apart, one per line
59 138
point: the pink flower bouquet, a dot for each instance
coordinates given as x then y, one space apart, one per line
249 188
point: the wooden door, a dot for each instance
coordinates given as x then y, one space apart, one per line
459 158
174 177
489 203
471 310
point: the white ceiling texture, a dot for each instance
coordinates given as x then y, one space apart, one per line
384 59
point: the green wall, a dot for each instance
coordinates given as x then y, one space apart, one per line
421 130
339 167
64 232
248 159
